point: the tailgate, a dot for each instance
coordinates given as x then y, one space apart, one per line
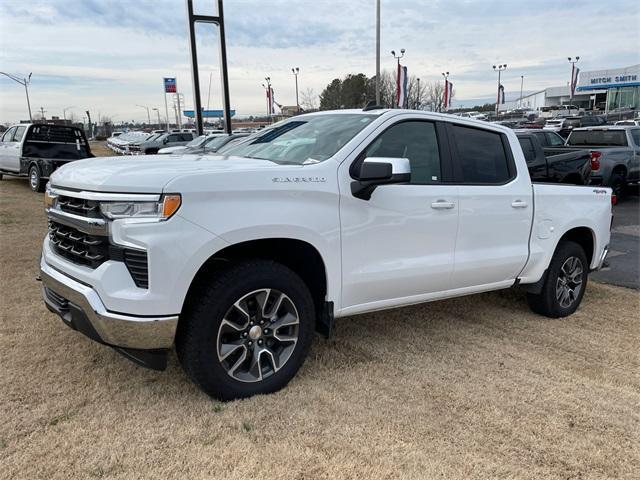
56 142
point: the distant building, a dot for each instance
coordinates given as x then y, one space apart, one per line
605 90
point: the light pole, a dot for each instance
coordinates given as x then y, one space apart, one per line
377 52
64 111
24 82
573 62
446 93
499 69
521 85
42 110
147 109
158 112
267 87
418 102
398 57
296 71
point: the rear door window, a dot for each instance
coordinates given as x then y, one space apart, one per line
481 155
635 134
19 134
553 139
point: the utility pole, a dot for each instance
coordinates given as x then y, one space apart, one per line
445 96
417 105
499 69
158 112
267 87
377 52
25 83
64 112
296 71
180 112
147 109
521 85
89 121
42 110
397 57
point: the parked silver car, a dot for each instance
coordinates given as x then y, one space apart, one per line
153 144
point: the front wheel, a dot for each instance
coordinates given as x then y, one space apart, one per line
247 331
36 182
565 284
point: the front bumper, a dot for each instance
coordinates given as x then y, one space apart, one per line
80 308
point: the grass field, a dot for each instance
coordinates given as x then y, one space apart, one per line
476 387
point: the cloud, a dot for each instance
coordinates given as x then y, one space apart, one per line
111 55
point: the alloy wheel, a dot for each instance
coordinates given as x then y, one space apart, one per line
257 335
569 283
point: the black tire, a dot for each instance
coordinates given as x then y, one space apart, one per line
618 184
151 151
36 182
198 342
552 303
1 176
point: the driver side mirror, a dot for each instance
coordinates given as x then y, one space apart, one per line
376 171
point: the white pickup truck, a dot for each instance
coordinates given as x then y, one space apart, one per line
237 259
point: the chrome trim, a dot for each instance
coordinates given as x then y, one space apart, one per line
91 226
107 197
603 257
114 328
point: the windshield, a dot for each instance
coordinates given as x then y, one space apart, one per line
603 138
303 140
197 142
152 137
213 143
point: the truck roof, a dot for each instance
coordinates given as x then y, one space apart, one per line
605 127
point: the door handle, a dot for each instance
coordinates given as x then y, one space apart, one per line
519 204
442 205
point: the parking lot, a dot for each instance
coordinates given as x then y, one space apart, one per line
452 389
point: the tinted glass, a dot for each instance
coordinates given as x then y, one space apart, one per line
603 138
527 149
635 134
554 139
572 122
541 138
19 133
174 138
481 155
416 141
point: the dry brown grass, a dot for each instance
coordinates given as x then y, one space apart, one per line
468 388
99 149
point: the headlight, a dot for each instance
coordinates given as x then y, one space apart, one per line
49 198
161 210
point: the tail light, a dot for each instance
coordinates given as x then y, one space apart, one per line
595 160
614 199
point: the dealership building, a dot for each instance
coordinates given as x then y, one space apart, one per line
604 90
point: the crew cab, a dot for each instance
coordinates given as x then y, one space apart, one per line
236 259
617 150
552 164
37 150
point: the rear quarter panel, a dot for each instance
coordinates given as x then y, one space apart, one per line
559 209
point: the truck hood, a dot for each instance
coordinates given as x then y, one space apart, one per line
173 149
148 173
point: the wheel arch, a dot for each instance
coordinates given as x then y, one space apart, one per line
583 236
298 255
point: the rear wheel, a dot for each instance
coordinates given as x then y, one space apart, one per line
247 331
151 151
618 184
36 182
565 284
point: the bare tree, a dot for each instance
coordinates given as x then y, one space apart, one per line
308 100
435 95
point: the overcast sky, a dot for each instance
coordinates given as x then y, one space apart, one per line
108 56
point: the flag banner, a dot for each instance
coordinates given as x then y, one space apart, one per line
501 94
448 91
574 80
402 99
170 85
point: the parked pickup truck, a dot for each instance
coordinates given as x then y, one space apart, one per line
36 150
549 164
617 150
156 142
237 258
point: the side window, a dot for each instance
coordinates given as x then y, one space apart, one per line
187 137
635 134
541 138
554 139
415 140
19 133
527 148
481 155
173 138
8 134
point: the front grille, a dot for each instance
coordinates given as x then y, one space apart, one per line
79 206
136 262
78 247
